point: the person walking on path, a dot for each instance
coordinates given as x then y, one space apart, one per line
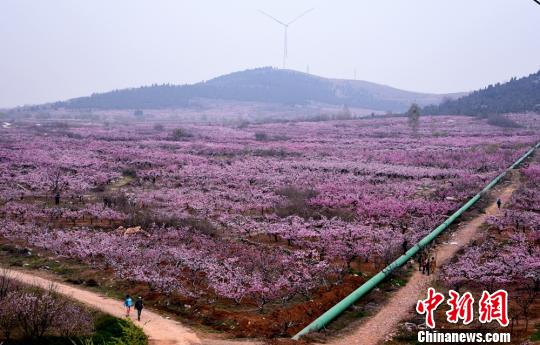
139 307
404 245
128 303
432 265
499 202
428 266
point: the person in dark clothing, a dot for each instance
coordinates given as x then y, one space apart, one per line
428 266
432 265
499 202
57 199
139 307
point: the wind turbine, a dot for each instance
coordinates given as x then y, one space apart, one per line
286 26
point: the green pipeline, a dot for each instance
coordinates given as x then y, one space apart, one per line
345 303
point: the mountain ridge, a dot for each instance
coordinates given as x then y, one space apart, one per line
265 84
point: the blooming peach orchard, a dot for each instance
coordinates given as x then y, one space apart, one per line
253 214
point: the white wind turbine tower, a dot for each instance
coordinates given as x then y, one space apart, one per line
286 26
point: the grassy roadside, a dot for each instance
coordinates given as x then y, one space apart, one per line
109 330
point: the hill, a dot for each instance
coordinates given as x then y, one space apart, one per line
260 85
516 96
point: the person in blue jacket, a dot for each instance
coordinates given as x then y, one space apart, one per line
128 303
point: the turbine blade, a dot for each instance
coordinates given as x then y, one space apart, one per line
269 16
300 16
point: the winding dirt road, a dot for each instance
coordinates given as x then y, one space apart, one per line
160 330
384 323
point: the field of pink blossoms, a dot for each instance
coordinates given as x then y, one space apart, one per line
256 216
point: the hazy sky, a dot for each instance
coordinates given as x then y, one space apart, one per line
59 49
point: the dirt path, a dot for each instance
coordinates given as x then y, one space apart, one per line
160 330
382 325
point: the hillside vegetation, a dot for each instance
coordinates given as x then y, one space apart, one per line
516 96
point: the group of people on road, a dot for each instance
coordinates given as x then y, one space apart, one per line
128 303
426 265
